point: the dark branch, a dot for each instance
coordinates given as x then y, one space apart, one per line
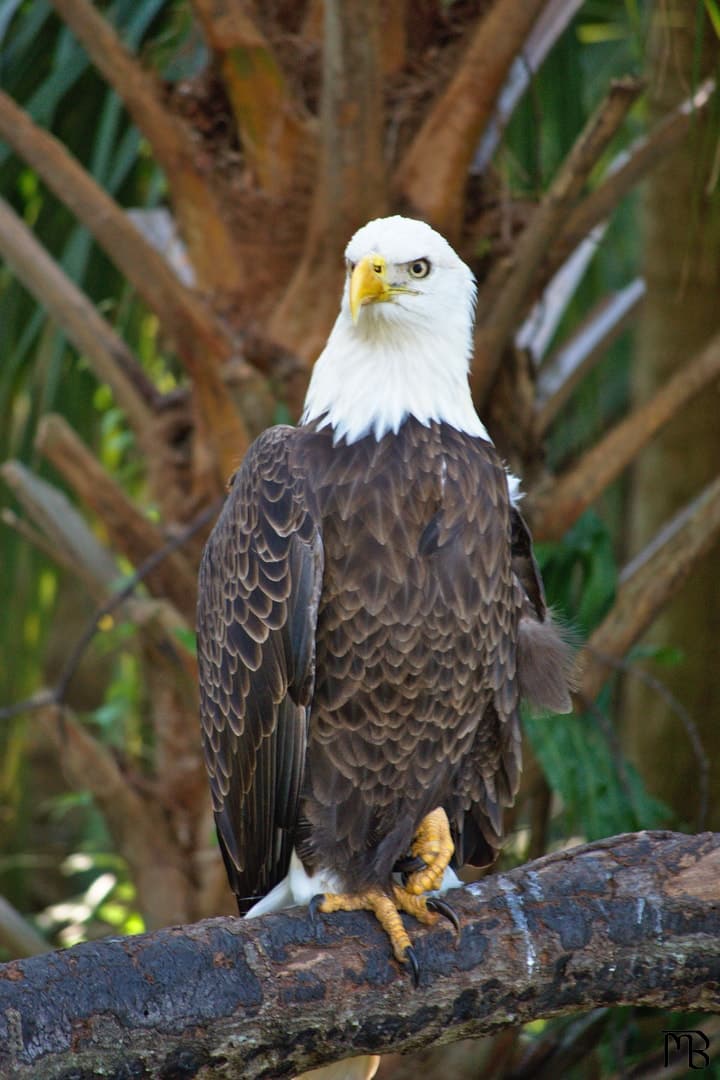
634 919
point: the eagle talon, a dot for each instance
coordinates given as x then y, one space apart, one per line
409 864
434 903
410 957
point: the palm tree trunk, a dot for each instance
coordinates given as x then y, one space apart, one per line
681 222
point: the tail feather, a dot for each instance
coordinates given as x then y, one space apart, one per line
546 665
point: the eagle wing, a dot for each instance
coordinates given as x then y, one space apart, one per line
258 595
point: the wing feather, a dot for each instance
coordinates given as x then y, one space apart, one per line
259 589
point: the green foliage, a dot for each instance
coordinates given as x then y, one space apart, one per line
600 791
45 69
604 41
186 639
101 900
580 572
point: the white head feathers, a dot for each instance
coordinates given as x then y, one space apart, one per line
408 353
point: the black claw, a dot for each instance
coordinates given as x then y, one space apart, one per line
434 903
409 864
412 960
314 905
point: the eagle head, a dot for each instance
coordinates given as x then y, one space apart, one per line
401 270
402 342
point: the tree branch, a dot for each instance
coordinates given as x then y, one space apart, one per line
74 545
648 583
505 292
202 344
552 21
540 324
572 361
158 620
182 314
433 174
109 356
351 183
276 138
634 919
137 824
628 170
17 935
197 205
556 506
130 532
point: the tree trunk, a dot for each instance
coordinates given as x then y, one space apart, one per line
680 314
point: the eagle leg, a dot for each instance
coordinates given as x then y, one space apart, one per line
433 844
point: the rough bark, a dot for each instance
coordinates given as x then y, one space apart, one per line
634 919
434 172
276 136
682 270
351 183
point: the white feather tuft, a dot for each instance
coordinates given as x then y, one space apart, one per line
297 888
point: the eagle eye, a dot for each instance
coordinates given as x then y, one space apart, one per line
420 268
350 265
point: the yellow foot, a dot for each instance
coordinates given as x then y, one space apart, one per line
433 844
382 907
386 910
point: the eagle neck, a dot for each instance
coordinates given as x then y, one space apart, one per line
369 380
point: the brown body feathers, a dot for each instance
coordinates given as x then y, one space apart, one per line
369 616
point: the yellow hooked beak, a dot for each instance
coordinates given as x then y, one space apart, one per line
368 283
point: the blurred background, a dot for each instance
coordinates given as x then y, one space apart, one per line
178 180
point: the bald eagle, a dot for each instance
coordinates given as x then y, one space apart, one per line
370 613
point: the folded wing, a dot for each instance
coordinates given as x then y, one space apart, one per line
259 589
